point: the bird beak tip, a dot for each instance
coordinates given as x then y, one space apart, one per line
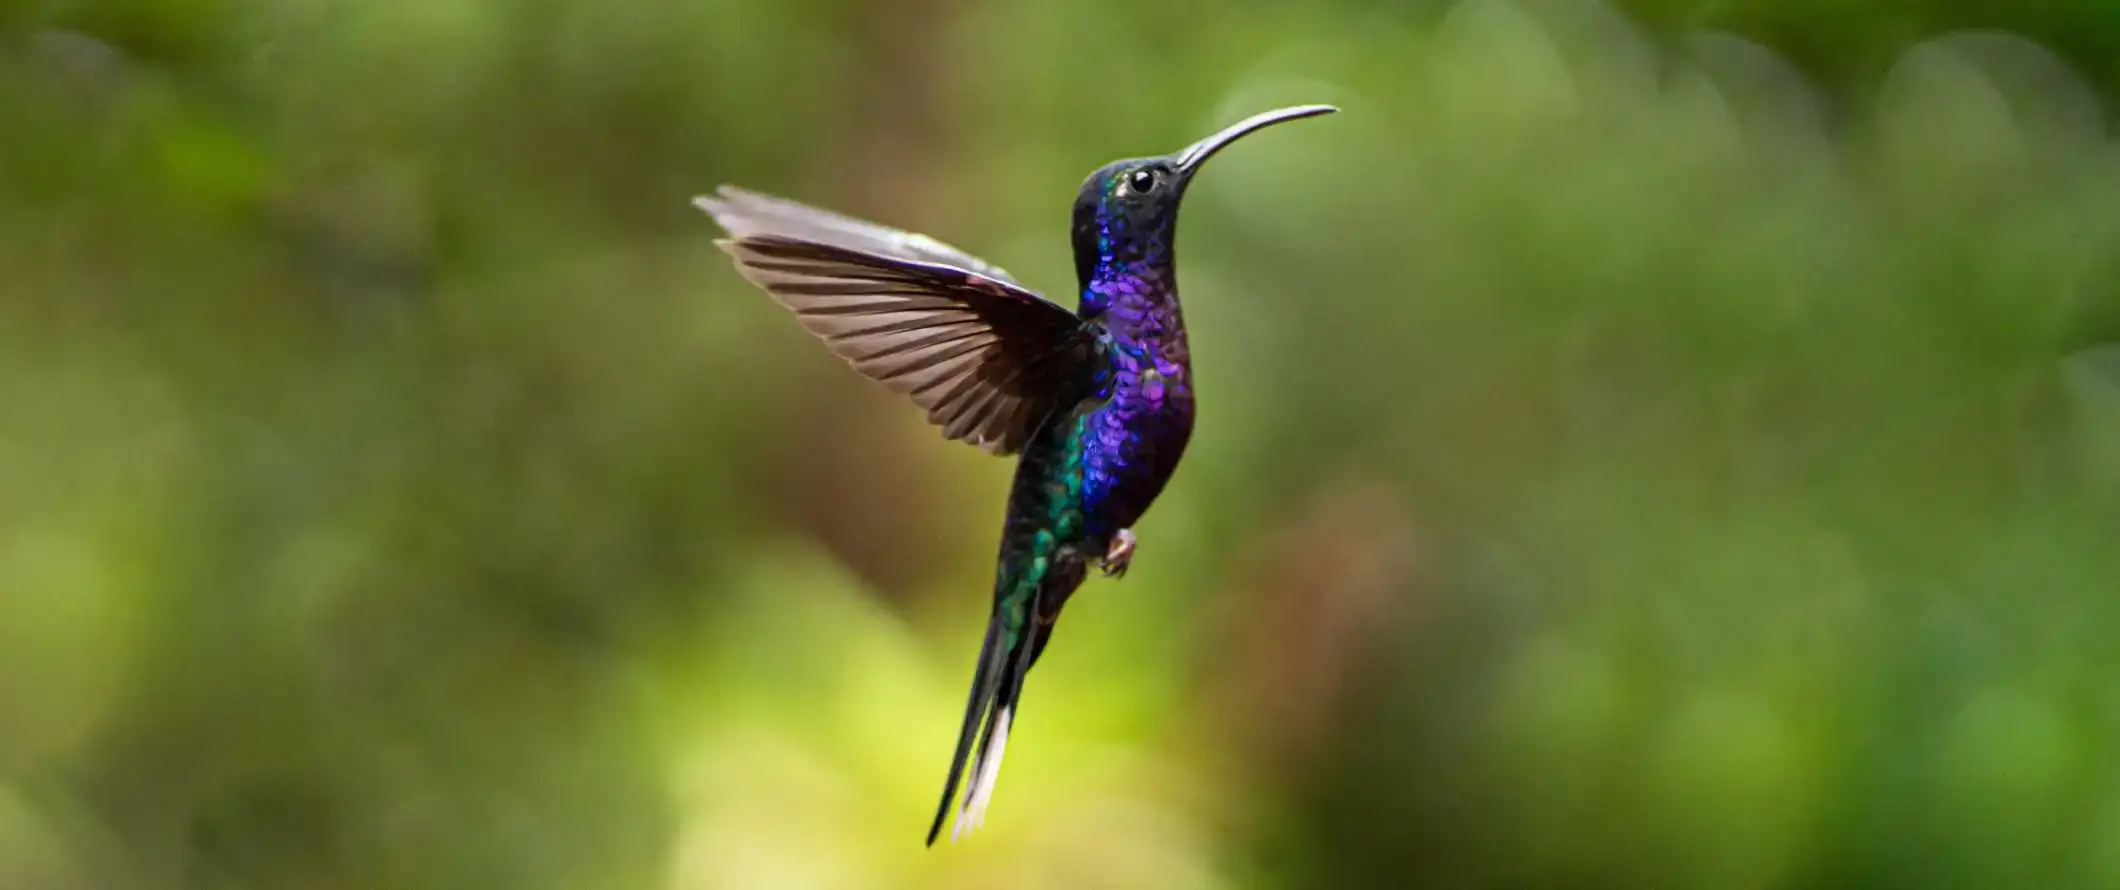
1195 155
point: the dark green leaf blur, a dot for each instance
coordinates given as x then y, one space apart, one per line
1672 446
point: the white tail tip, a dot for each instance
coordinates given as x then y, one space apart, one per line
985 773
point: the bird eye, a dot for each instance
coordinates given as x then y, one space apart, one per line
1141 182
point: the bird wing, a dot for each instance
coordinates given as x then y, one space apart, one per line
744 213
987 359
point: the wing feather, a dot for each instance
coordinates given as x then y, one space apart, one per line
986 358
745 213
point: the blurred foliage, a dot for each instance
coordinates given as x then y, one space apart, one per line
1671 447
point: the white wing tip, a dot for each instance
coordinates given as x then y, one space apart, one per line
716 206
721 203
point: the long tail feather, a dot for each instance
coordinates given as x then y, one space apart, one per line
1025 607
987 769
985 683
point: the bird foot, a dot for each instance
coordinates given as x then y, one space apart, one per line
1120 555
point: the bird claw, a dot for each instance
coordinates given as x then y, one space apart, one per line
1120 555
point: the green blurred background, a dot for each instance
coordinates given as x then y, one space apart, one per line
1666 446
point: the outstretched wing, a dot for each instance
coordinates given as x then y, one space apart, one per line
987 359
745 213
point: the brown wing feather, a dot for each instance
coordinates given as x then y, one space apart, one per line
745 213
987 359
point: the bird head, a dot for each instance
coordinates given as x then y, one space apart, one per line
1127 211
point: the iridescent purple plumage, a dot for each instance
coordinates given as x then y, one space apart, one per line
1146 416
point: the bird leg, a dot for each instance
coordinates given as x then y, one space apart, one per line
1120 554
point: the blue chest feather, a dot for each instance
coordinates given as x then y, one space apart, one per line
1133 432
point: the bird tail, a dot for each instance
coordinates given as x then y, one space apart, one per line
1004 658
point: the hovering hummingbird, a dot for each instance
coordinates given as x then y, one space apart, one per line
1097 402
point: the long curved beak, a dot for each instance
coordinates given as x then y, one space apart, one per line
1189 160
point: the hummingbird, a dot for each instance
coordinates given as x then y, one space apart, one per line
1096 404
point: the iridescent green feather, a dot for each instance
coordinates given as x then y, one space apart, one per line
1017 587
